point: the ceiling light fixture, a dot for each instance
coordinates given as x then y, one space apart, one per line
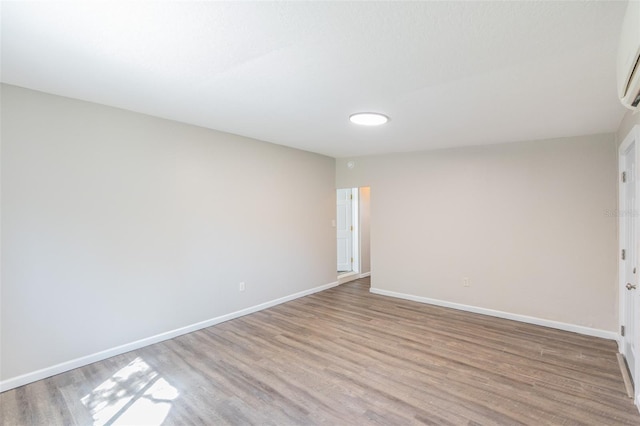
368 118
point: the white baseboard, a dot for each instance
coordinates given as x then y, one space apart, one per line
34 376
351 276
500 314
348 276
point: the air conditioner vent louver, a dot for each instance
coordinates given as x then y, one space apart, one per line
629 57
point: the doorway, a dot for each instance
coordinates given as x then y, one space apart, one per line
628 270
352 233
347 229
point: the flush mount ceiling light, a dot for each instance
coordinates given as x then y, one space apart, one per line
368 118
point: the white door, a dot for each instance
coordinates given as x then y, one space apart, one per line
629 266
344 228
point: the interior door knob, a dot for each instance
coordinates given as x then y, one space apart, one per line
631 286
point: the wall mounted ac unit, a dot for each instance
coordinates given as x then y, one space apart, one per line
629 57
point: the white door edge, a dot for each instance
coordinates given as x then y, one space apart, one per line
632 138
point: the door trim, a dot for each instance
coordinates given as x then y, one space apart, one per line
632 138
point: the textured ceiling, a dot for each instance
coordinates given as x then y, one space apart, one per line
447 73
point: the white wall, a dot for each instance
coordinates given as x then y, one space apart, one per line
117 226
630 119
528 223
364 201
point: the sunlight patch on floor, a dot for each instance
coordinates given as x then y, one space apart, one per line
135 394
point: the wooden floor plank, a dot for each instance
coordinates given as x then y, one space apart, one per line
343 356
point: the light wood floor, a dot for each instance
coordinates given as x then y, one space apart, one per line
343 356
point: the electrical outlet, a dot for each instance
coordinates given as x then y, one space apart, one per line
465 282
241 286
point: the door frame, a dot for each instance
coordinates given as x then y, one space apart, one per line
632 138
